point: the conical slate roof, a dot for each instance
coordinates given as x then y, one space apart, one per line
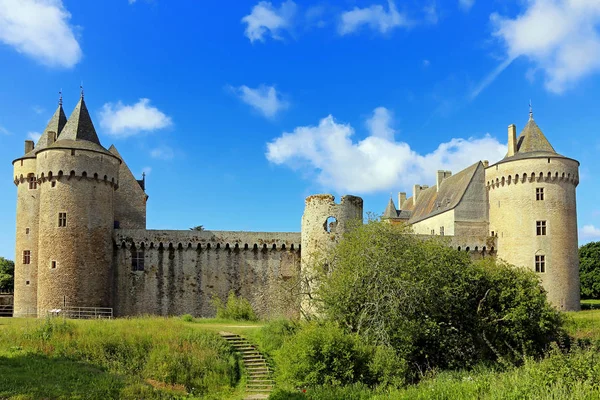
56 125
532 139
390 210
80 126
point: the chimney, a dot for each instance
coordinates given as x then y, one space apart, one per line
28 146
486 163
51 137
416 191
401 199
439 178
512 140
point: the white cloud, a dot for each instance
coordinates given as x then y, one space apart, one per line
40 29
265 99
132 1
560 37
431 15
375 16
265 20
146 170
38 110
162 153
466 4
35 136
376 163
589 232
127 120
4 131
426 63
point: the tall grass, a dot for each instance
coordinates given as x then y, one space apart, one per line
137 356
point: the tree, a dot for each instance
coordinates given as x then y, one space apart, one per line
589 270
197 228
7 274
431 303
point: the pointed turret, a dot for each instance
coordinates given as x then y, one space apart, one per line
53 129
390 210
80 126
533 139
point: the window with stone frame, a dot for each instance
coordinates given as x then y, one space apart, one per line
441 230
540 263
26 256
62 219
540 228
32 182
137 259
539 194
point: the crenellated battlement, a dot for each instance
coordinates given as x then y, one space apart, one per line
207 240
533 177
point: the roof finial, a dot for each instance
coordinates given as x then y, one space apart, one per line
530 110
60 97
81 88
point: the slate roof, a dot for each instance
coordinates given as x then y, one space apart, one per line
113 150
432 202
79 126
56 125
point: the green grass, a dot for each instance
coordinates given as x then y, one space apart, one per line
149 358
584 324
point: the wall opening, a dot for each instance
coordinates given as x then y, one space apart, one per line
330 224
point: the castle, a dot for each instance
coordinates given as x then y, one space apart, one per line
81 237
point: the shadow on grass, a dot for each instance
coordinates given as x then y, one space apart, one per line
33 376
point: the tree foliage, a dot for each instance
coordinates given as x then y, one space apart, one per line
236 308
7 274
431 303
589 270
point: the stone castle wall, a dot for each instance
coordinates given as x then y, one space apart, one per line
514 212
183 270
74 263
28 203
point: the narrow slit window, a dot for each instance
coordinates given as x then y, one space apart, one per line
62 220
27 231
26 256
540 264
540 228
137 260
53 265
441 230
539 194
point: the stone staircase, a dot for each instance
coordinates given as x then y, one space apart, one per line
259 383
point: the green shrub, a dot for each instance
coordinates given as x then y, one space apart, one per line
433 305
272 335
236 308
322 354
187 318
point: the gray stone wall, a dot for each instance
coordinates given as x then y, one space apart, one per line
183 270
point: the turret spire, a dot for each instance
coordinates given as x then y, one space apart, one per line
60 101
530 111
80 126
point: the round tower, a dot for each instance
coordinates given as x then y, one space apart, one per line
323 224
28 205
77 181
533 212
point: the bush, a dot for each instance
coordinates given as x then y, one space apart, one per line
431 303
322 354
187 318
236 308
271 336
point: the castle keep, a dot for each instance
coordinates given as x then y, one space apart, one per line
82 241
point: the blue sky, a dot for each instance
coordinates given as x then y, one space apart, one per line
237 111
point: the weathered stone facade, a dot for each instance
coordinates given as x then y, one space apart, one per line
82 240
522 209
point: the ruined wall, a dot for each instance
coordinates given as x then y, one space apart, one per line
184 269
514 211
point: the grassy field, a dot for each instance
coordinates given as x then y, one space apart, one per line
149 358
160 358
